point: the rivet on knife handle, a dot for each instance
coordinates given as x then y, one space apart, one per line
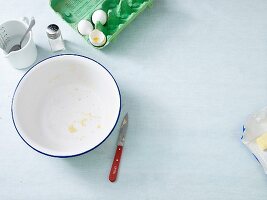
115 165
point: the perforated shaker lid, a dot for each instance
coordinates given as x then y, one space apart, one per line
53 31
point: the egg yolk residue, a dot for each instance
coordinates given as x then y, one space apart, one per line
96 39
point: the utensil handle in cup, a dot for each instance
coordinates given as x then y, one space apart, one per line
115 165
32 23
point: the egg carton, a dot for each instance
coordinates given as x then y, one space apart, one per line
120 13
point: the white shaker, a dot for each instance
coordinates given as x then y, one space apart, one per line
55 39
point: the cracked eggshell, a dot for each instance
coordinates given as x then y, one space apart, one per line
97 38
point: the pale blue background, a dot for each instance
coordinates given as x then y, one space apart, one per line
189 72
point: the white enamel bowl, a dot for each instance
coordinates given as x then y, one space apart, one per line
66 105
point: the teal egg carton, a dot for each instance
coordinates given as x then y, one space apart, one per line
120 14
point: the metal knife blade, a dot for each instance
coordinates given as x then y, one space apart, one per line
123 130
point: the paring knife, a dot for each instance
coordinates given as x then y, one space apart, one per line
121 139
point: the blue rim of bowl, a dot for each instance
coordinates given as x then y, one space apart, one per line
74 155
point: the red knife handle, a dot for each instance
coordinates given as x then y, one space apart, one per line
115 165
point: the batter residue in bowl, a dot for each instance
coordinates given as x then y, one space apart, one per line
72 128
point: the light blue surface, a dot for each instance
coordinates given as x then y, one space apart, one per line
189 72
